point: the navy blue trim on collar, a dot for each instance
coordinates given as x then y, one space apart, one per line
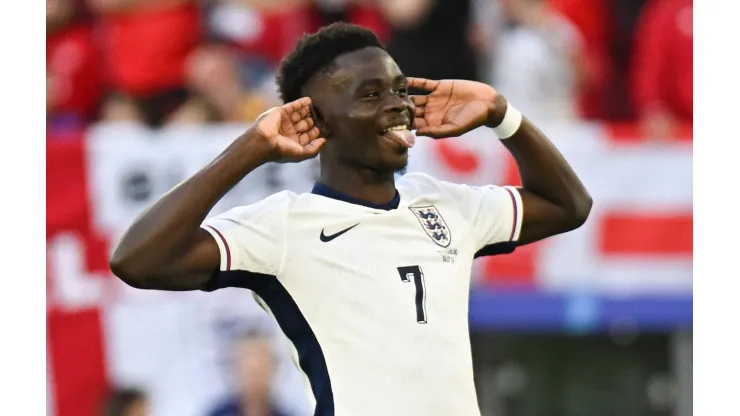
323 190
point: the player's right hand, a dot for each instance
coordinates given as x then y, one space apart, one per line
290 132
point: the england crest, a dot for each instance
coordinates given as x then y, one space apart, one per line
433 223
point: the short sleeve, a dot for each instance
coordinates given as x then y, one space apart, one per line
494 212
251 238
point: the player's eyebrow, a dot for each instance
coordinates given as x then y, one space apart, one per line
400 79
367 82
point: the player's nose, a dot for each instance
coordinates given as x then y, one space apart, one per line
397 104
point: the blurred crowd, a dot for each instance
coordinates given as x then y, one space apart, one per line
183 62
252 363
165 62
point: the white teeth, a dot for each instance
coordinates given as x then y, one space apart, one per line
396 128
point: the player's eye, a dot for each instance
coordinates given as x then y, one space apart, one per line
402 92
370 94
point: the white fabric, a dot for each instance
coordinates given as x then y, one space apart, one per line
252 237
510 124
382 358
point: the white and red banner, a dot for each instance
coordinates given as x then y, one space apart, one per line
102 333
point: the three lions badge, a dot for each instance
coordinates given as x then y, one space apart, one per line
433 223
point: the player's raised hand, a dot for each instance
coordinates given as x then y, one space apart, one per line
452 107
290 131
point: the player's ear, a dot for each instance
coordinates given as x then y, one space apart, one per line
320 122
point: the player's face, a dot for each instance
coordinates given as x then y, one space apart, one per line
364 96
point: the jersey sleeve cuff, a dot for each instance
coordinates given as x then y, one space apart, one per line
517 213
223 247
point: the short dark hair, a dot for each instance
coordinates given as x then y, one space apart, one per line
314 52
120 400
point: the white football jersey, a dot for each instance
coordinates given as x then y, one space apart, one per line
373 298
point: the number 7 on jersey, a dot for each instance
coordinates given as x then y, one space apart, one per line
409 273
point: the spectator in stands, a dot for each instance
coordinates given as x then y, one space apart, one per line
594 21
255 366
145 44
126 402
119 108
264 30
663 66
432 38
219 89
260 32
365 13
539 62
73 81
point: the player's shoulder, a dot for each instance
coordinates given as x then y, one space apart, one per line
276 202
419 180
275 205
416 184
423 183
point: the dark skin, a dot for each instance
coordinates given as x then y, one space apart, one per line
365 94
166 249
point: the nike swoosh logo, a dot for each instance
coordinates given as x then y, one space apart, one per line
326 238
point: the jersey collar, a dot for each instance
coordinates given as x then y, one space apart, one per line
323 190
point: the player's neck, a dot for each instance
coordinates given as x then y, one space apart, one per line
363 184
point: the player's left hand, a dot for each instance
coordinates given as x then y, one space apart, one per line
454 107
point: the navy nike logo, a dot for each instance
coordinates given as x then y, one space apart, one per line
326 238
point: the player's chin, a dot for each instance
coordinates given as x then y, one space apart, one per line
395 162
393 156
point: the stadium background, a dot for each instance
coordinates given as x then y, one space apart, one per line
597 322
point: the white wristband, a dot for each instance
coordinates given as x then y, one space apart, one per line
510 124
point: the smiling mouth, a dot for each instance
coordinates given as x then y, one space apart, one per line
401 135
400 127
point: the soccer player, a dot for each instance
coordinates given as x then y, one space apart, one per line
368 277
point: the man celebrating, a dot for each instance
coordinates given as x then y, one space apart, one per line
367 277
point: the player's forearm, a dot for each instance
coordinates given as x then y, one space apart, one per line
167 230
546 173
